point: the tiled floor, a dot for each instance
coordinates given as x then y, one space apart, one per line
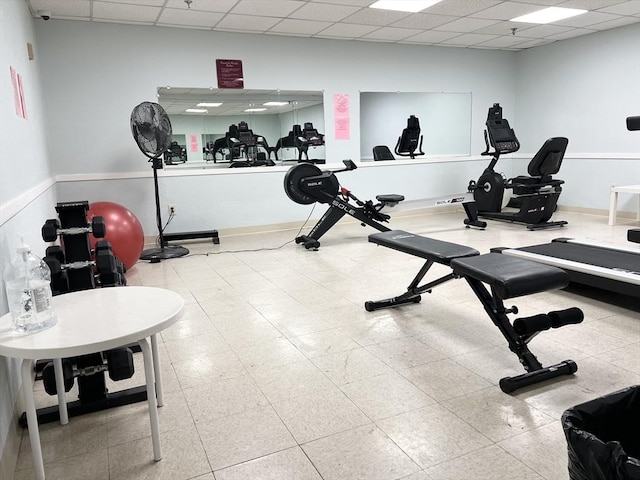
276 371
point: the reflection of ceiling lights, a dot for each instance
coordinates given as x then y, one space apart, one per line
209 104
255 109
412 6
548 15
196 110
275 104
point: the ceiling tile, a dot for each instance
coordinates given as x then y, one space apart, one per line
423 21
323 12
355 3
543 31
539 2
535 43
130 13
374 16
391 34
589 4
631 7
460 8
576 32
430 36
505 28
246 22
466 24
468 39
615 23
63 8
270 8
346 30
203 5
148 3
503 41
299 27
506 11
173 16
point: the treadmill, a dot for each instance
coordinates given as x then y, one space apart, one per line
613 268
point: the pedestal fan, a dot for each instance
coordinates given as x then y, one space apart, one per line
151 129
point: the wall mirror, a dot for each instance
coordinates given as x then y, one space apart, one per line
444 118
203 119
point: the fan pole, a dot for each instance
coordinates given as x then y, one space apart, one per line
165 251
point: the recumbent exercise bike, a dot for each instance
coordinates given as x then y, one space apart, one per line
305 184
535 196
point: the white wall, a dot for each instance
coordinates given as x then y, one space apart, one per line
27 196
88 107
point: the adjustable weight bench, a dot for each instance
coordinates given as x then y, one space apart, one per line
507 277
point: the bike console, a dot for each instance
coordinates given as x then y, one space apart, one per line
499 133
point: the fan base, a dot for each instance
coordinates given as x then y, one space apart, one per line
157 254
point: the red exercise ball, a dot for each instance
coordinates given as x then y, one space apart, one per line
123 231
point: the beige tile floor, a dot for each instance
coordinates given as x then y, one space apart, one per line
276 371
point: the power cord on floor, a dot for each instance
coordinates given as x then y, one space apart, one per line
264 249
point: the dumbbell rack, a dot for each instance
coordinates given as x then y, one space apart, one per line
73 268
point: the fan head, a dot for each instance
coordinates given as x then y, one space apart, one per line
151 129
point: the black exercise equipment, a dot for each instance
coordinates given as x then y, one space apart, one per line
507 277
607 267
309 137
382 152
306 184
74 266
535 196
248 149
175 154
410 141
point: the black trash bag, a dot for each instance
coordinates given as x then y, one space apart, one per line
603 437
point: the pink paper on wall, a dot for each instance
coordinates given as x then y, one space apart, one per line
23 105
16 92
193 143
341 116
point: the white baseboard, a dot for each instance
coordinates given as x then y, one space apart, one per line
9 457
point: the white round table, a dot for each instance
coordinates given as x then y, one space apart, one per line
91 321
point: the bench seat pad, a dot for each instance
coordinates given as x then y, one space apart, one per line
428 248
511 276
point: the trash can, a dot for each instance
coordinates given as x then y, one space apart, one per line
603 437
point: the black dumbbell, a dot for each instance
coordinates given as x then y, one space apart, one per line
51 229
49 377
120 363
56 252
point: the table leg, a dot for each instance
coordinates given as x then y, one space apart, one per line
32 418
156 370
62 400
613 206
151 397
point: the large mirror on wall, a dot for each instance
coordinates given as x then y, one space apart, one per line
443 120
223 128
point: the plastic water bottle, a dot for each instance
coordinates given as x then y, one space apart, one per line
27 279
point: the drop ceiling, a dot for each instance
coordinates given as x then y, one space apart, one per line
455 23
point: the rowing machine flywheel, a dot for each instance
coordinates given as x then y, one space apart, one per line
293 183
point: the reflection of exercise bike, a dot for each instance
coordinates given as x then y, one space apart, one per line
305 184
534 196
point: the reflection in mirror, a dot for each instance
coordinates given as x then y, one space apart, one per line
444 121
221 128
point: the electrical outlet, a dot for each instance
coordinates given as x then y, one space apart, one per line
171 208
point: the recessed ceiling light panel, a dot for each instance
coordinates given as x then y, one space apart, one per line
548 15
412 6
255 109
209 104
196 110
275 104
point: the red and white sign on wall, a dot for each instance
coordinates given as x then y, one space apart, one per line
229 73
18 93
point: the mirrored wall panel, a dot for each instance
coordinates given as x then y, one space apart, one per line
443 120
222 128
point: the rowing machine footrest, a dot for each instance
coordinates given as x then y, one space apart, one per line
371 305
568 316
529 325
511 384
